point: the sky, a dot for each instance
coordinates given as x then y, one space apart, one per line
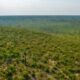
39 7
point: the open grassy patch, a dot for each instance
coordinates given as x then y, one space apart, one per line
31 55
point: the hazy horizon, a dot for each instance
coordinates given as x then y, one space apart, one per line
39 7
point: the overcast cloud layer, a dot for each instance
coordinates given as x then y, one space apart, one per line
39 7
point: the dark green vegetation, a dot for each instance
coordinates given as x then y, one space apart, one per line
50 24
31 55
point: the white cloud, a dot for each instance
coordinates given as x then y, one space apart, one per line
15 7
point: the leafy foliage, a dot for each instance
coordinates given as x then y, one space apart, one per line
30 55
